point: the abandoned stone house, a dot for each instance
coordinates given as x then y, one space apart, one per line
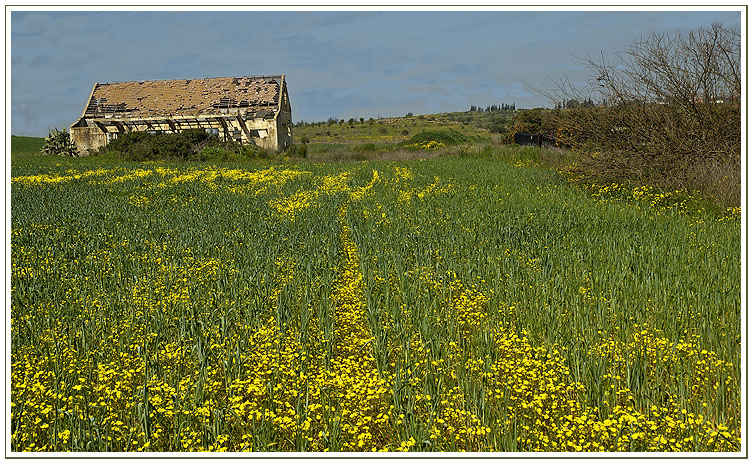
249 110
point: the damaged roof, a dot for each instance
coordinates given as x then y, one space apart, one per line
185 97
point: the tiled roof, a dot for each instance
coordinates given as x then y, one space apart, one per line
184 96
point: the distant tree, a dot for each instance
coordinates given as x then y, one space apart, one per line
409 115
361 119
571 103
371 121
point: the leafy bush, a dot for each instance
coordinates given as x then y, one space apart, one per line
143 146
255 151
58 142
211 153
199 138
193 144
297 151
446 137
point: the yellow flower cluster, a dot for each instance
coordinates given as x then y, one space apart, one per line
290 206
242 181
325 395
526 163
69 175
430 145
404 174
677 200
731 214
138 200
435 189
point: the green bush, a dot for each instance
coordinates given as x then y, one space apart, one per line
297 151
193 144
446 137
198 136
134 146
141 151
58 142
212 153
254 151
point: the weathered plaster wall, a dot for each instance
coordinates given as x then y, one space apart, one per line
88 138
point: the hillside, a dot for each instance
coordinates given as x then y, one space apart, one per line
324 137
22 145
396 129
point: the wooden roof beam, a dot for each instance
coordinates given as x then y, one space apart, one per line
207 117
242 123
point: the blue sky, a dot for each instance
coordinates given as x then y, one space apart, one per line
337 64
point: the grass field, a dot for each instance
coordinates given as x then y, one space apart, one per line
473 301
25 146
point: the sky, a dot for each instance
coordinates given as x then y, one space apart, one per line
346 64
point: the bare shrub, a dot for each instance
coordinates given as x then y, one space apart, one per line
717 180
670 114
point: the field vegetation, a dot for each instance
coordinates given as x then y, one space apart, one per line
468 301
21 146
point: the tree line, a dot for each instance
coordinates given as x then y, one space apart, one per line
502 107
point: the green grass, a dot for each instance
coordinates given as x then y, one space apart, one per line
446 137
474 301
25 146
